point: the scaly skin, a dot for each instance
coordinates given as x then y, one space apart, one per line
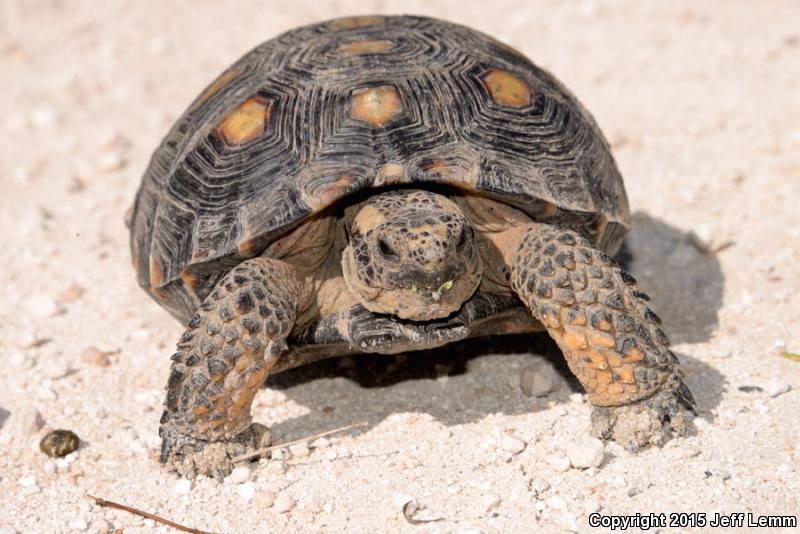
223 358
610 338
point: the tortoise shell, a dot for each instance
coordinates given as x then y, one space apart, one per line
327 110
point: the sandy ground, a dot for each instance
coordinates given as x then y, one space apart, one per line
702 109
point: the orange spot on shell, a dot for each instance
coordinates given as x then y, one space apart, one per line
349 23
506 89
367 46
224 79
328 194
375 105
156 273
391 173
246 122
189 280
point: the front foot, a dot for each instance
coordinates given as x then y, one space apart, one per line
189 456
650 421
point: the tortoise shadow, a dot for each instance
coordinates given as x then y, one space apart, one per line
4 415
466 381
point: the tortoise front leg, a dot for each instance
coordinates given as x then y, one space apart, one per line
223 358
610 338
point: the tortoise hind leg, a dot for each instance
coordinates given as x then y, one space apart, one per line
610 338
223 358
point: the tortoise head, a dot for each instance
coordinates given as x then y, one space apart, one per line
411 253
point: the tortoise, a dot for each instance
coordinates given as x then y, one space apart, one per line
382 184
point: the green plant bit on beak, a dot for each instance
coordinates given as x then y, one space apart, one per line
414 288
447 286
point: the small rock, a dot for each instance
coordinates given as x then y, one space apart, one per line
43 116
56 369
110 161
691 451
700 423
276 467
282 504
183 486
264 499
586 453
487 503
101 526
591 506
539 486
299 450
537 380
78 524
314 505
633 491
558 462
45 393
721 473
70 295
94 357
27 482
512 444
246 491
42 306
777 387
321 443
239 475
31 421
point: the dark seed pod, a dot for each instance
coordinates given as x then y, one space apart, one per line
59 443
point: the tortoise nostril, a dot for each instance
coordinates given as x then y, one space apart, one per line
386 250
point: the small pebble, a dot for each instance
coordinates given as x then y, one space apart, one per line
59 443
70 295
586 453
27 482
299 450
633 491
264 499
591 506
246 491
282 504
724 475
488 503
183 486
239 475
31 421
691 451
314 505
45 393
94 357
512 444
78 524
321 443
101 526
56 369
42 306
777 387
558 462
536 380
276 467
110 161
539 486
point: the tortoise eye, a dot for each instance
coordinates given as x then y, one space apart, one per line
386 250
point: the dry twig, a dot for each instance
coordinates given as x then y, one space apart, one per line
262 450
111 504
